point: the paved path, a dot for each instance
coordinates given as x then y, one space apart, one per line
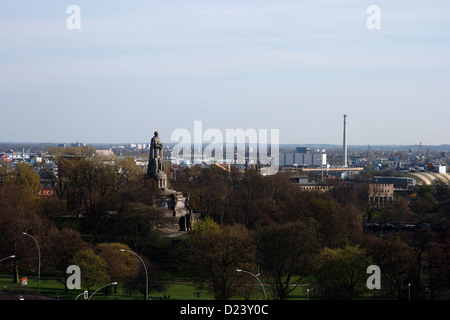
171 233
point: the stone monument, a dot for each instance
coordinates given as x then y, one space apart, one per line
171 201
155 168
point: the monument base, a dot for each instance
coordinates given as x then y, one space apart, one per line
159 180
171 202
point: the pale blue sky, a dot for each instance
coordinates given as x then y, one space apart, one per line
139 66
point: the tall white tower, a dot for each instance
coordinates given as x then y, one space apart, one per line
345 141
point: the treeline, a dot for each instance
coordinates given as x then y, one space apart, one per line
242 220
315 238
99 207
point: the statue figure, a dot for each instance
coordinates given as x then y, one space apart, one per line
155 161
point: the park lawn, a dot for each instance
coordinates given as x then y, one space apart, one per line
55 289
173 291
47 287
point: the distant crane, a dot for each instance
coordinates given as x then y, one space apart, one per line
375 160
226 167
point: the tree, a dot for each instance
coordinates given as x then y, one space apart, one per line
345 195
7 173
420 241
208 190
93 268
437 266
286 251
18 214
21 173
93 182
394 257
215 253
121 266
129 184
57 173
27 176
340 273
352 223
257 200
331 226
398 211
137 282
137 226
60 250
442 192
422 202
92 191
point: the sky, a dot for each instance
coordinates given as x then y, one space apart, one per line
135 67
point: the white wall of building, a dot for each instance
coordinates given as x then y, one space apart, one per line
303 159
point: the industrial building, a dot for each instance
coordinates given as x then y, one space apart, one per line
304 157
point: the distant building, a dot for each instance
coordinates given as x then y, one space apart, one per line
105 154
303 150
45 188
378 194
300 179
398 182
305 185
46 191
78 144
314 187
304 157
440 169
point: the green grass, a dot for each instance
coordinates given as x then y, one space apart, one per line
181 291
177 291
55 289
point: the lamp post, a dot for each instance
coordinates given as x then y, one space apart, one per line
39 251
109 284
10 257
85 293
409 291
146 274
240 270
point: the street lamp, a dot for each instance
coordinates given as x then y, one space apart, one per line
85 293
409 291
240 270
39 250
109 284
10 257
146 274
307 294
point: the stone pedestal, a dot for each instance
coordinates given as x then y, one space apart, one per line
172 202
160 180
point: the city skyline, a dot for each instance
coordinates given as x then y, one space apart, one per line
297 66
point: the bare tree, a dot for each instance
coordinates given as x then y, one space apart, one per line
286 253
